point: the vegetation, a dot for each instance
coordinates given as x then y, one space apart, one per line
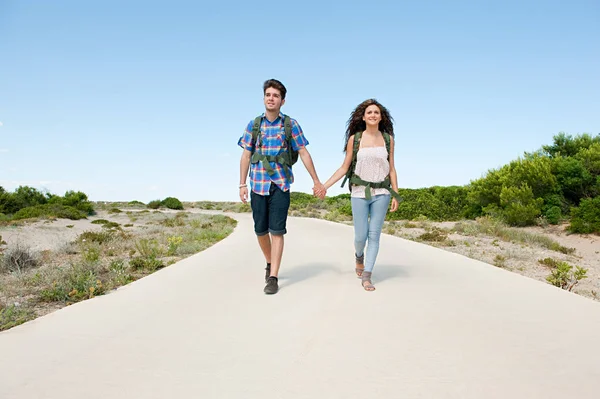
27 203
97 262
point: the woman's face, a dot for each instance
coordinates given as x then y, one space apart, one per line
372 115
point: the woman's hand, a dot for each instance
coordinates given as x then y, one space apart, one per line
394 205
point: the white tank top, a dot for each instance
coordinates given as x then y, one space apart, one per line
371 165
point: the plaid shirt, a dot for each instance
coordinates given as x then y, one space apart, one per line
273 138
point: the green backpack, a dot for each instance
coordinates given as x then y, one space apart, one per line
354 179
285 158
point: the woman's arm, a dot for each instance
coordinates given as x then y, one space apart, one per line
341 172
393 176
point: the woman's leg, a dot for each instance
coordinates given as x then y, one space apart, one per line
360 219
377 209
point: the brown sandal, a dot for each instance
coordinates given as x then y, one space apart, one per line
366 281
360 260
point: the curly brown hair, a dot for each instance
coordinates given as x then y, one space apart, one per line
356 124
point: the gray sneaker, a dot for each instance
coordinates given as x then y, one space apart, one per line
271 287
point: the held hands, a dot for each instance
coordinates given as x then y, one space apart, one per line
319 190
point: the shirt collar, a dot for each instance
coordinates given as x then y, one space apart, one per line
280 116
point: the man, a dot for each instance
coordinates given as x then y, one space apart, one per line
269 161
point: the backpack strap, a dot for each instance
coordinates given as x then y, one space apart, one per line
350 172
386 139
283 158
255 131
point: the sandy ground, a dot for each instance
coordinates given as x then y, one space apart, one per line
517 257
524 258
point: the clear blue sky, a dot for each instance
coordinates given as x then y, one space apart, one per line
140 100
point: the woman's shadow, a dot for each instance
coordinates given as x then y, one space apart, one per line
389 272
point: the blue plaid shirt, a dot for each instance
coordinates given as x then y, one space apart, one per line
273 139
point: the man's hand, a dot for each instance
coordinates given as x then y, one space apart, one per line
394 205
319 190
244 194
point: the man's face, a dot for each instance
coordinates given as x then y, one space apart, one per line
273 100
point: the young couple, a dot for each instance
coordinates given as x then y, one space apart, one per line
271 144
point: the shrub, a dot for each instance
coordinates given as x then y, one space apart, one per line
13 315
434 235
552 263
136 203
553 214
519 206
154 204
173 243
79 201
49 211
148 248
586 218
100 237
172 203
74 283
500 261
563 276
18 258
173 222
145 263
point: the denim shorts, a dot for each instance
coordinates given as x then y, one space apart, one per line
270 211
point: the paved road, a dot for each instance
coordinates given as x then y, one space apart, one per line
438 326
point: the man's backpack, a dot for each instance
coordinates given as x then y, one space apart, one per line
354 179
285 158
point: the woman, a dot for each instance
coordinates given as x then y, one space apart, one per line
369 164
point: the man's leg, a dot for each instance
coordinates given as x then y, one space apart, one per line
276 253
279 204
265 246
260 214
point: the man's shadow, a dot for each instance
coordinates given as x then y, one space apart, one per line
305 272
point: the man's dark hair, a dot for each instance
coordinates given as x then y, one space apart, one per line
274 83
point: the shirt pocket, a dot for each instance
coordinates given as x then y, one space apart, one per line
275 142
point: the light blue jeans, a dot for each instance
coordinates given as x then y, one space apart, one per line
368 216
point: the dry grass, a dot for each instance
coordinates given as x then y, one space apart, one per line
97 262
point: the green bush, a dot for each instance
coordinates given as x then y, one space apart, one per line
100 237
154 204
79 201
553 214
136 203
586 217
563 276
436 203
172 203
49 211
574 179
519 208
145 263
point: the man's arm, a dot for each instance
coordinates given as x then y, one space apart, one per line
310 167
244 166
